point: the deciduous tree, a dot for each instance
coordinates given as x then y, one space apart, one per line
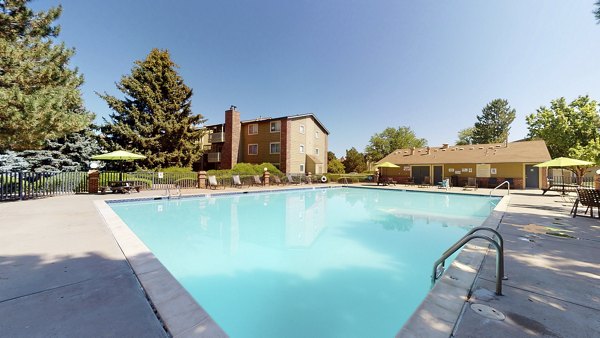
493 125
382 144
567 128
465 136
39 93
354 161
155 117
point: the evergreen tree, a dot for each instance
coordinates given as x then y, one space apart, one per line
493 125
155 117
39 94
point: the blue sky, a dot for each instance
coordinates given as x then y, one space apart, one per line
360 66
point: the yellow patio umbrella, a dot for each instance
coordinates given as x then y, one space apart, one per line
119 155
562 162
386 165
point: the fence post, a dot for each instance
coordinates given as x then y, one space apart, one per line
93 181
266 178
20 185
202 179
596 181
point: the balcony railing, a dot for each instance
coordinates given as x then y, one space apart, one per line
216 137
214 157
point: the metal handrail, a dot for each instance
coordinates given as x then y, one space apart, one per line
499 246
501 184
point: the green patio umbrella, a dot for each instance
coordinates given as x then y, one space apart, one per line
562 162
386 165
119 155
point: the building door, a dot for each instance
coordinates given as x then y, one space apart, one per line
437 174
532 176
419 173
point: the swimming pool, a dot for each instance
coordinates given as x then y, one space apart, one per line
345 262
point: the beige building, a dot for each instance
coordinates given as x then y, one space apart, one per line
491 164
294 144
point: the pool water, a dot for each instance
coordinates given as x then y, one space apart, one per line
339 262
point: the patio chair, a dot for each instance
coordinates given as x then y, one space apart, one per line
291 179
471 183
444 184
589 198
426 182
276 180
212 182
237 182
410 181
492 182
256 180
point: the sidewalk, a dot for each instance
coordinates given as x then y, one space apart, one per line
553 286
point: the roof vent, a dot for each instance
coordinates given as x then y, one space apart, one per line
461 148
498 145
445 146
471 148
480 147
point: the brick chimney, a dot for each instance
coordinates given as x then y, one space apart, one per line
231 147
445 146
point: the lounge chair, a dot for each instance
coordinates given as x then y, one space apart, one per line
410 181
426 182
589 198
237 182
256 180
276 180
212 182
492 182
291 179
444 184
471 183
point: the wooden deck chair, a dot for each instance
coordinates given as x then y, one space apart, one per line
256 180
237 182
212 182
471 183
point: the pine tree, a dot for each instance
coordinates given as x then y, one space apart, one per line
39 94
155 118
493 124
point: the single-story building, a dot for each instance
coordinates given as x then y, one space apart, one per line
491 164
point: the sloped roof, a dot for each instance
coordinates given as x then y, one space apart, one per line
513 152
314 159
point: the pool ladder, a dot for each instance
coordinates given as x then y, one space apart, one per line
498 243
176 195
501 184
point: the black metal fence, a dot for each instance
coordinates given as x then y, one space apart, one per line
26 185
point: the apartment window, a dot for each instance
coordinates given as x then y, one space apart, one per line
301 129
316 151
302 148
302 168
316 134
275 126
275 147
253 149
253 129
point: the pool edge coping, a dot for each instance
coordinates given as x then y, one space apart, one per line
441 310
182 315
179 313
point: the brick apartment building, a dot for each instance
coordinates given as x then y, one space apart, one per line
294 144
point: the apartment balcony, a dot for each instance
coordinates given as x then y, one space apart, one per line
216 137
214 157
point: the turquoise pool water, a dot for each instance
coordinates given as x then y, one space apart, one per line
340 262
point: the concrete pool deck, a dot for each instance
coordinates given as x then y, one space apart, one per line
63 274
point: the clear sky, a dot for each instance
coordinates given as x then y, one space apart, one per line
360 66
